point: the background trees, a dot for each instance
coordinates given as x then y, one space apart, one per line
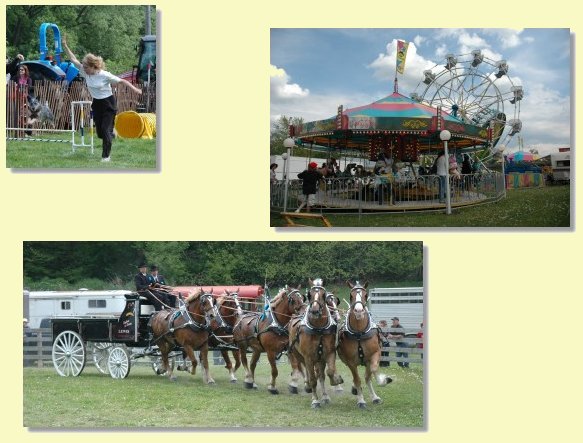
109 31
109 265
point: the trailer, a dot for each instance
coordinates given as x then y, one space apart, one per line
561 166
405 303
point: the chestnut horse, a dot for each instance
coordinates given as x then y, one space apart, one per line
266 332
186 327
359 343
312 343
222 331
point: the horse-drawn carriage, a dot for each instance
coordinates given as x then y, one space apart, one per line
111 342
114 342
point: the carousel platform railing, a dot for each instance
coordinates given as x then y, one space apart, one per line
377 193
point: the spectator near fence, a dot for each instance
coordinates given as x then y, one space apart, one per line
385 345
420 336
400 344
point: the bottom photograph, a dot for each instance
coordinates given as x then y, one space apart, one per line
288 335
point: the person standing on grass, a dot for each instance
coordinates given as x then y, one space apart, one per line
310 178
441 164
104 107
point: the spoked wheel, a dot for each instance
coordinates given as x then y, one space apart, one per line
118 362
69 354
158 366
100 354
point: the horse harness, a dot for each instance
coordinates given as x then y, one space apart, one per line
370 330
174 315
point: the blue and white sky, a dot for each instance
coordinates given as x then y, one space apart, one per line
313 71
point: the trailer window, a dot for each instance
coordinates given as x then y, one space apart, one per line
97 303
563 163
65 305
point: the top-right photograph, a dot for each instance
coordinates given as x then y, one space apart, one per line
421 128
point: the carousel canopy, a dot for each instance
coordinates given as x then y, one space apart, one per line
395 117
522 156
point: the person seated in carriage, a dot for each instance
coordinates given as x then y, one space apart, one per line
145 288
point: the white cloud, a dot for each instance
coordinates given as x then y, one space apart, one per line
384 67
441 51
508 38
281 88
418 40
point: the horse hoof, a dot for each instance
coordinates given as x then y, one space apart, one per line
248 385
308 390
212 382
315 405
362 405
354 391
173 378
293 389
326 401
377 401
234 381
389 380
273 391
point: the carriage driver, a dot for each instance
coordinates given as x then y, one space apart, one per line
144 287
156 280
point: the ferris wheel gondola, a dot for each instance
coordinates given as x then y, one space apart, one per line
476 90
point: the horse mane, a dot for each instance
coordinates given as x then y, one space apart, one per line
194 296
277 299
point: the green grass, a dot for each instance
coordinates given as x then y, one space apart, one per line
144 399
125 154
528 207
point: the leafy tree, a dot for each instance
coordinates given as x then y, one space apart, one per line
280 131
112 32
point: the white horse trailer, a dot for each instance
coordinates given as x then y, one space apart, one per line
561 166
405 303
41 305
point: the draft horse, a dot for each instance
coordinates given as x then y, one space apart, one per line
222 331
185 327
266 332
359 343
312 343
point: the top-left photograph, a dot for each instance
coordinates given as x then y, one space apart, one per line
81 87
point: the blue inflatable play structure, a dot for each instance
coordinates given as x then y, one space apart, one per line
51 67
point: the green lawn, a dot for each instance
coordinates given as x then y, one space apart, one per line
125 154
529 207
144 399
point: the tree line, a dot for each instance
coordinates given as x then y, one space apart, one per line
108 265
113 32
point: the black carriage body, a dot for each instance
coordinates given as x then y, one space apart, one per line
130 328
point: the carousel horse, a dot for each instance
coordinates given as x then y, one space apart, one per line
185 327
359 343
266 332
312 343
222 330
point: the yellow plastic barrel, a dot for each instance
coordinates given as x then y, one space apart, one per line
130 124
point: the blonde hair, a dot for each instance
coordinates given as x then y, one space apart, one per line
93 61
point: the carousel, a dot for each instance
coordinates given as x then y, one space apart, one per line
469 96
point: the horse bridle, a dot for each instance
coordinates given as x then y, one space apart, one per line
291 301
320 305
359 288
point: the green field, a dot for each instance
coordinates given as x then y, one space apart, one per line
144 399
529 207
125 154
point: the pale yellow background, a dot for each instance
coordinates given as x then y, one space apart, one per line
504 307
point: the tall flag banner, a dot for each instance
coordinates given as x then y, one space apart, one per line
401 55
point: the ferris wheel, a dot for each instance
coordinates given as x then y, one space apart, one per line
478 91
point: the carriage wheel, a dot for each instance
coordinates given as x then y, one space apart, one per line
69 354
118 362
100 354
158 366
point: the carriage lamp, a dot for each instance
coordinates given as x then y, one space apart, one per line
445 136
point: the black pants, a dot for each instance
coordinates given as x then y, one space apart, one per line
104 111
